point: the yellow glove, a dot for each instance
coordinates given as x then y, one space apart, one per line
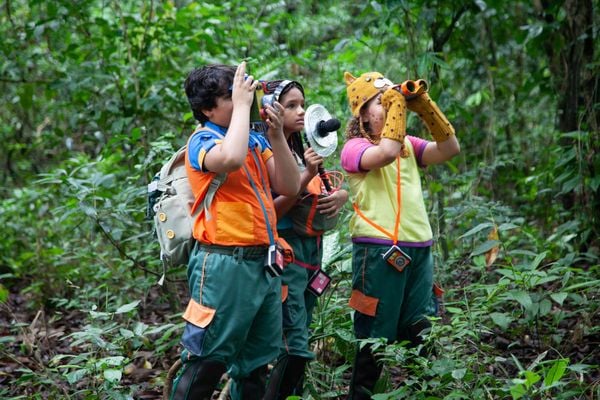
418 100
395 119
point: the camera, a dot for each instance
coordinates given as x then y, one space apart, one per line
274 261
318 283
266 94
397 258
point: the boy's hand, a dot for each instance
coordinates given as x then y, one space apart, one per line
243 88
274 120
313 160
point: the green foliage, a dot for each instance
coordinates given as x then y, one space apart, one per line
93 104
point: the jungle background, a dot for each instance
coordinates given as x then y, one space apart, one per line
93 104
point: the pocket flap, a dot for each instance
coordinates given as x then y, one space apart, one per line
363 303
197 314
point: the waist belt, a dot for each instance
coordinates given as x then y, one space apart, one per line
239 252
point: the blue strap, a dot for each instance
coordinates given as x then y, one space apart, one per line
257 194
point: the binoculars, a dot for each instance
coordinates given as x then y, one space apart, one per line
411 89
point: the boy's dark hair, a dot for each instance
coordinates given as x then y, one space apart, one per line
204 85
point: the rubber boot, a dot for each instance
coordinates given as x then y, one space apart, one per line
251 387
364 375
418 330
285 378
417 333
198 380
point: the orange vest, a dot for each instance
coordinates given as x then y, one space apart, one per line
236 215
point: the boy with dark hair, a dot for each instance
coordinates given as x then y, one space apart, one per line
233 319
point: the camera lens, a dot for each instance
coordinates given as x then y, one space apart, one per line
267 100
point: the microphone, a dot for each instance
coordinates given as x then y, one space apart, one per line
324 127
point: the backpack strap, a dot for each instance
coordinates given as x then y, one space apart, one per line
167 176
215 183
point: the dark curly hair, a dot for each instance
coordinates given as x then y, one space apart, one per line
356 129
204 85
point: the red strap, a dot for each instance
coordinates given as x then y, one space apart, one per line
307 266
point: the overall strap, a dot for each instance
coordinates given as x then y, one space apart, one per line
393 236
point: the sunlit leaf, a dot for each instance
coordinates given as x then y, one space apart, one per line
3 294
459 373
531 378
492 254
75 376
556 372
127 307
503 320
476 229
485 247
521 296
113 375
559 297
518 391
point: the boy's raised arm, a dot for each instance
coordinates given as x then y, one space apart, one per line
231 153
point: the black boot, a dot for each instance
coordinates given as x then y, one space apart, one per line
417 333
418 330
364 375
285 377
198 380
253 386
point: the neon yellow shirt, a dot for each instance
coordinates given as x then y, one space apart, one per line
375 194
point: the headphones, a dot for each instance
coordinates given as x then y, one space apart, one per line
270 99
272 95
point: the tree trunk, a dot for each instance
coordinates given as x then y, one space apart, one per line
575 77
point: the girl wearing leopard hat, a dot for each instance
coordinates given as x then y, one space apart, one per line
391 257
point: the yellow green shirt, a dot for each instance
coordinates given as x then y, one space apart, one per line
375 194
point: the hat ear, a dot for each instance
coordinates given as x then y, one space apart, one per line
348 78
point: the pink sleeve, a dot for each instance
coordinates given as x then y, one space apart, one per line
352 153
418 145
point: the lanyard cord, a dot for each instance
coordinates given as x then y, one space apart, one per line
257 194
394 236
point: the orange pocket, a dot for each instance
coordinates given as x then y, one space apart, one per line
363 303
284 292
197 314
288 252
235 222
